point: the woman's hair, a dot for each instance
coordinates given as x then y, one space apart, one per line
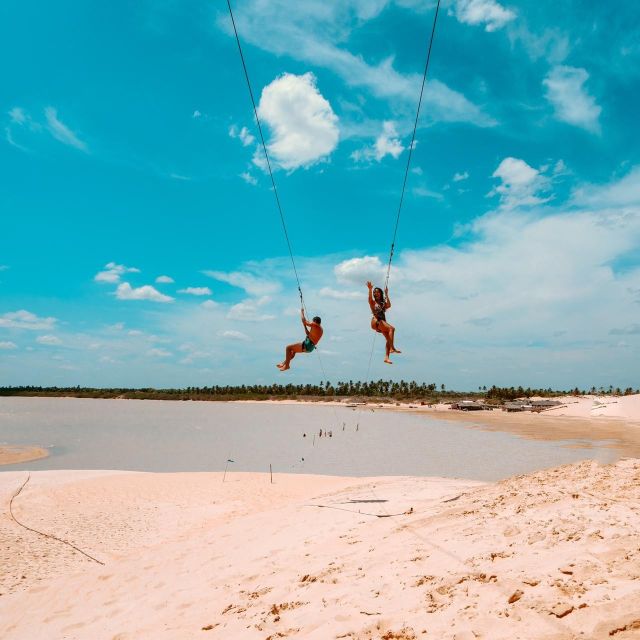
381 293
317 320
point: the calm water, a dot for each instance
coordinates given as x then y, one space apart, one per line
149 435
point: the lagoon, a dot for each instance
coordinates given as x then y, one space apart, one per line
165 436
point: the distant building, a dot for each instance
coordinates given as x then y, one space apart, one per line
469 405
530 405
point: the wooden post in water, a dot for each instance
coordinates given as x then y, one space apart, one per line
226 466
271 473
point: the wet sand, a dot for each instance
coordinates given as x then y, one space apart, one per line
622 434
15 454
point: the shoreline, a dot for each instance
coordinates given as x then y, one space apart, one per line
16 454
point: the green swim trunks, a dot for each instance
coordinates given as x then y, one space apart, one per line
307 345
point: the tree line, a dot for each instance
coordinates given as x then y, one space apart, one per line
380 389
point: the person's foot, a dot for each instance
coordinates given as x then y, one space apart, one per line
388 361
394 350
284 367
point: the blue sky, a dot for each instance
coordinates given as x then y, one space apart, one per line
129 153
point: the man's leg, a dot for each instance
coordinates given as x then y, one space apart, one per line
290 354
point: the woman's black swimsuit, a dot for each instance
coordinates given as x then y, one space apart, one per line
378 312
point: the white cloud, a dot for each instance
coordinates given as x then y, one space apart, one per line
620 193
630 330
487 12
253 285
5 344
25 320
159 353
209 304
458 177
49 340
529 275
423 192
446 105
178 176
196 114
566 92
304 128
551 43
386 144
9 138
112 272
231 334
251 310
328 292
196 291
126 292
243 134
18 115
164 280
18 118
248 178
61 132
520 184
315 32
360 270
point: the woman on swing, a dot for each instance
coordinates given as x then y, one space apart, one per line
379 303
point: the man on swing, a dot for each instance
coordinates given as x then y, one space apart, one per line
314 333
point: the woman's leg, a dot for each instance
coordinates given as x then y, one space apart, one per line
385 330
380 326
393 340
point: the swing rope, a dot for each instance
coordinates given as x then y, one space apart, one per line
406 173
412 145
266 155
273 182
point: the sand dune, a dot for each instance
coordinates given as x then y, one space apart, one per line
553 554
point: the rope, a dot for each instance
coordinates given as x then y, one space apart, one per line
404 186
40 533
360 513
273 182
413 138
406 173
266 155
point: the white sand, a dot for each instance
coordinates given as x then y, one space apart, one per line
549 555
625 408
